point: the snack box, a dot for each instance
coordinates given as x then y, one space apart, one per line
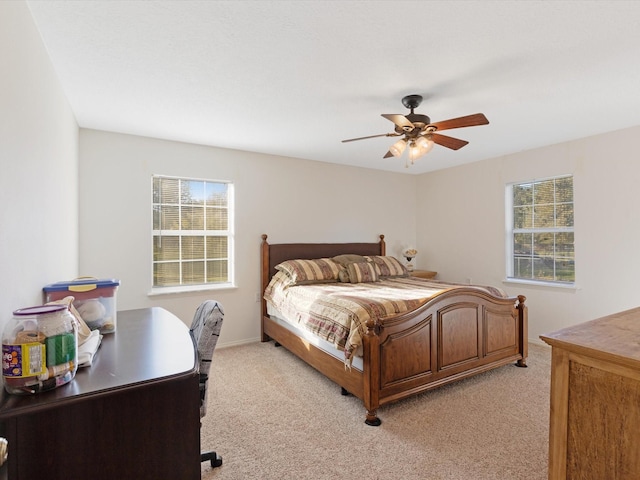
95 300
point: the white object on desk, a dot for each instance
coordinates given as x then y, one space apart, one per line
88 349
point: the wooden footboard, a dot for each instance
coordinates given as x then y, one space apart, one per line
457 334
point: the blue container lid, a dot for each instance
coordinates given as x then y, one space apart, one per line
81 285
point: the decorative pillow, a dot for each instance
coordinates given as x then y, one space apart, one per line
343 275
348 258
389 266
344 260
362 272
319 270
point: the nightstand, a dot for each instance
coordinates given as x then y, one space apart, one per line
423 274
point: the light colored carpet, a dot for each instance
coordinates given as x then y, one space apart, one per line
271 416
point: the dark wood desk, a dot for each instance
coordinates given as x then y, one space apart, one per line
135 413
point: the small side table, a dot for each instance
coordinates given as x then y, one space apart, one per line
423 273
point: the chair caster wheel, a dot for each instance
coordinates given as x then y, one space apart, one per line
216 462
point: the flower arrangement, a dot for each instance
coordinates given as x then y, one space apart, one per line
409 253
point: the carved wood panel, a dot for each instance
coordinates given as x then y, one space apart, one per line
501 333
407 354
459 334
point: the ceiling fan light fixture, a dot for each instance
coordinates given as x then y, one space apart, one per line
419 147
415 151
398 147
425 144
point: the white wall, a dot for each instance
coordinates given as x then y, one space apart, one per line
455 217
39 180
291 200
461 225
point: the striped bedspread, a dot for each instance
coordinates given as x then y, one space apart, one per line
338 312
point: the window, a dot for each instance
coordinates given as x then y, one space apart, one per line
540 236
192 233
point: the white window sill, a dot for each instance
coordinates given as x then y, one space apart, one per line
537 283
190 289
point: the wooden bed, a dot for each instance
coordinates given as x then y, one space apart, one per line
455 335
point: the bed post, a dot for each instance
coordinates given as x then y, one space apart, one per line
371 374
383 246
523 320
264 281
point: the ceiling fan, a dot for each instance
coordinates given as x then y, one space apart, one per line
419 134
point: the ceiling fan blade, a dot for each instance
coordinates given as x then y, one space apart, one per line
371 136
449 142
468 121
399 120
389 154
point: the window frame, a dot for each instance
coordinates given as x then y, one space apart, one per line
510 231
229 234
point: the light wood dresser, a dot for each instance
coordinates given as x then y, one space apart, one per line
594 430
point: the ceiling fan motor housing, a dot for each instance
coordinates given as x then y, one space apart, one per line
419 121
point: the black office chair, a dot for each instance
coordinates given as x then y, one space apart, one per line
205 331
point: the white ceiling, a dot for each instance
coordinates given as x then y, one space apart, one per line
294 78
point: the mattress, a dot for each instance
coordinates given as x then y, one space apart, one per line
322 344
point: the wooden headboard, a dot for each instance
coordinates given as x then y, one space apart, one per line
272 255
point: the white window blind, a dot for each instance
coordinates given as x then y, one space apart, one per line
192 232
540 230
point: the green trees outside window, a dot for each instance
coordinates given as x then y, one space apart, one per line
542 233
192 239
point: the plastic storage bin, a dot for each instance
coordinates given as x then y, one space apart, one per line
39 349
95 300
